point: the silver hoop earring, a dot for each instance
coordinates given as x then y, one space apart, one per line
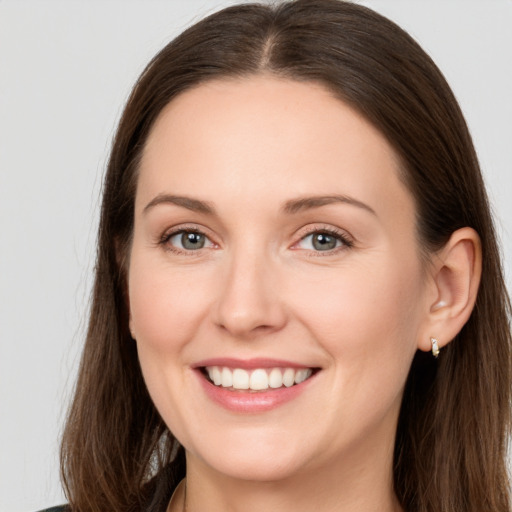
435 347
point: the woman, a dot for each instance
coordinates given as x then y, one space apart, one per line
298 299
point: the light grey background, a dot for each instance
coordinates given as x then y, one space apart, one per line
66 68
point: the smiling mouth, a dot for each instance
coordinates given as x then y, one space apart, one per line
258 379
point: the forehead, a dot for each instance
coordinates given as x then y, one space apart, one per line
263 137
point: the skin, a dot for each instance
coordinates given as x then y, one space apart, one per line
260 288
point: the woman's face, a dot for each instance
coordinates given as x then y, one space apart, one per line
274 242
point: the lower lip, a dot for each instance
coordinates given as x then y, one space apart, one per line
252 402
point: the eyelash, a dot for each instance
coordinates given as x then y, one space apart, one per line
166 237
346 242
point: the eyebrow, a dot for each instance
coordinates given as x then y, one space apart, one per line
307 203
185 202
290 207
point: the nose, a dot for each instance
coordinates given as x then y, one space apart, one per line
249 301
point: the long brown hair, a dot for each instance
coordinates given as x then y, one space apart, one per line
450 452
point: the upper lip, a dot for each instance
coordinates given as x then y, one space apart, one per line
249 364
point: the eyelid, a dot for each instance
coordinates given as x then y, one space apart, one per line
184 228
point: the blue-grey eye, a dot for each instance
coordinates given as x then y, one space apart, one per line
320 241
192 241
324 242
188 240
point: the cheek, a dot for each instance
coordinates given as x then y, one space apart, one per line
367 318
369 326
377 295
165 310
165 305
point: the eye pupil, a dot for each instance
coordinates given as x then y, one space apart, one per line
324 242
192 240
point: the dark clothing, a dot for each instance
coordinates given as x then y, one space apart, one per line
158 492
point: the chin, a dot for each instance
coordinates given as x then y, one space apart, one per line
262 460
255 469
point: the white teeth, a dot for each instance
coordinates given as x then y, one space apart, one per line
302 375
215 375
258 379
226 378
275 379
288 377
240 379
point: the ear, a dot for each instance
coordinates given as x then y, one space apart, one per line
455 273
